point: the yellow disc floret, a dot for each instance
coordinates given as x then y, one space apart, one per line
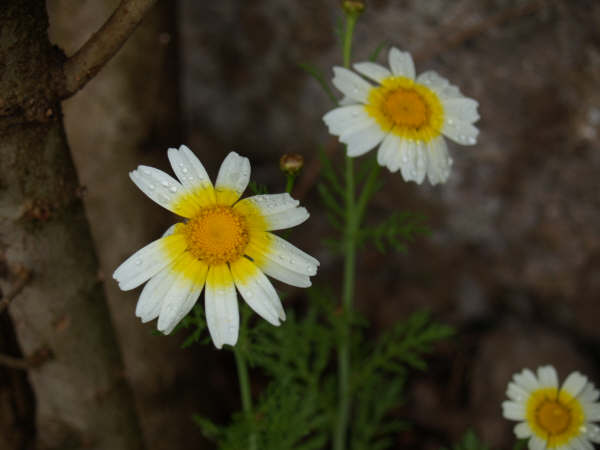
217 235
406 108
554 417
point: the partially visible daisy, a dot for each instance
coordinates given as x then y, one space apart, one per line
406 117
552 417
224 244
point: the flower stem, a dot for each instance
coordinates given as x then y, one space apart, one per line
244 381
289 184
344 400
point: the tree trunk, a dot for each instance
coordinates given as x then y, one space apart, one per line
82 396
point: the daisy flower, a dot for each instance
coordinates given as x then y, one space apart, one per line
225 243
553 417
406 117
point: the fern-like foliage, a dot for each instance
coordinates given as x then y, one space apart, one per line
394 232
380 377
296 409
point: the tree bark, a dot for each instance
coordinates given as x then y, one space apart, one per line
83 399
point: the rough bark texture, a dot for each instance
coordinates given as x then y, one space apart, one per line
82 396
129 115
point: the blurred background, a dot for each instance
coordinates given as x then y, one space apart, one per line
513 261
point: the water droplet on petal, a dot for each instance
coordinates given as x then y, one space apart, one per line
138 261
165 183
173 189
184 169
151 187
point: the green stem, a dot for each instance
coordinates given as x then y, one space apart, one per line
289 185
344 399
244 381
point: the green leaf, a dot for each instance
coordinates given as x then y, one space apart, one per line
394 232
377 50
257 189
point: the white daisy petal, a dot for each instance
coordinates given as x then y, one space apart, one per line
374 71
161 188
178 301
583 443
387 152
589 394
536 443
439 84
401 63
547 376
592 412
407 158
190 275
232 179
351 84
260 295
527 380
221 308
280 272
268 204
347 118
152 296
464 109
460 132
271 212
345 101
574 384
289 255
513 411
438 161
286 219
522 430
361 141
148 261
516 392
592 432
421 162
188 168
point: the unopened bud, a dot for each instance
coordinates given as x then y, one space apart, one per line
291 163
353 7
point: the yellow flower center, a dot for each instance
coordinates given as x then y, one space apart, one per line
405 108
216 235
554 416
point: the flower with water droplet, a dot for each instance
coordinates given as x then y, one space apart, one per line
224 243
553 416
406 116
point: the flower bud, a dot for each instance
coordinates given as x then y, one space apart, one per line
291 163
353 7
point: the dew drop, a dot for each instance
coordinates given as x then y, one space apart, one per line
173 189
138 261
184 169
249 294
191 178
151 187
146 171
450 121
165 183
